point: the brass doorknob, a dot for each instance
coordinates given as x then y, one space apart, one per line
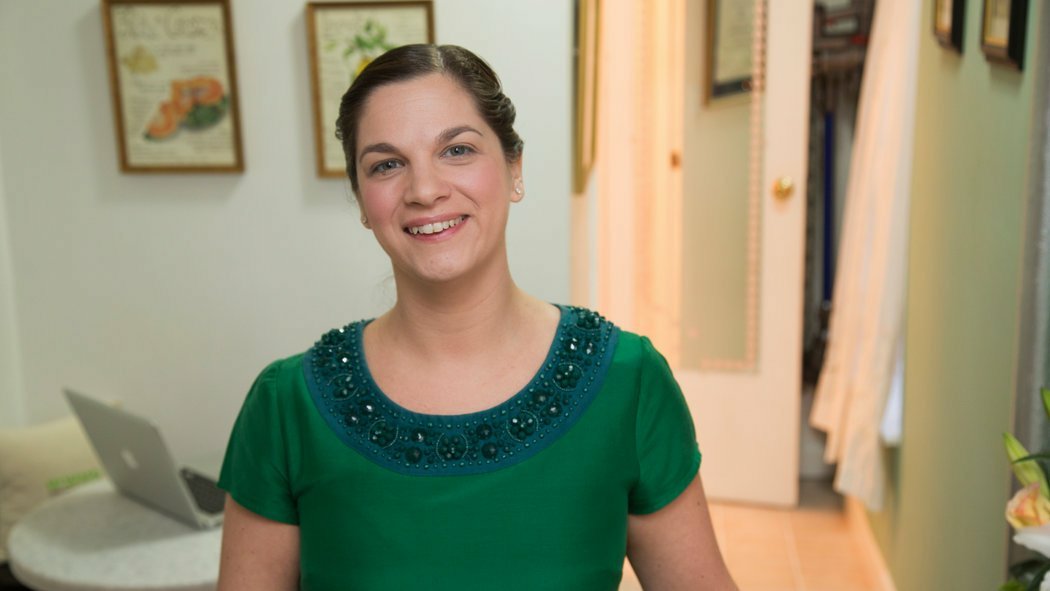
783 188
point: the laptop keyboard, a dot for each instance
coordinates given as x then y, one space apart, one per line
208 496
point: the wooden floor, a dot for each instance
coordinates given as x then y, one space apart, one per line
809 548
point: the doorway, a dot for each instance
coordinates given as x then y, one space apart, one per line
736 350
705 231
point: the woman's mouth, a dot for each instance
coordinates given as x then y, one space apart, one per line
436 227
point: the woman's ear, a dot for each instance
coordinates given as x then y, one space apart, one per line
519 182
519 190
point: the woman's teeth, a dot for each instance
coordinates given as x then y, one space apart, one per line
436 228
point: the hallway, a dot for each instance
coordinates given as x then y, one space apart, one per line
808 549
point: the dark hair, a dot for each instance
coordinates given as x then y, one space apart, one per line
412 61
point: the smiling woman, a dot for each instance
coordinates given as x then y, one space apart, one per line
472 435
429 159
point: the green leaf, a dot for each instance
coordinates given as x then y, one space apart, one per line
1027 575
1038 578
1033 457
1025 568
1045 395
202 116
1026 473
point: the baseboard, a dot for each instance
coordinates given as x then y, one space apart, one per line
860 529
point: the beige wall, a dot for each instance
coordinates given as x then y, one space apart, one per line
944 526
172 291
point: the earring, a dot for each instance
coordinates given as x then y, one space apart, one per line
364 221
519 188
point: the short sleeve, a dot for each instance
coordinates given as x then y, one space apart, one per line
665 438
255 469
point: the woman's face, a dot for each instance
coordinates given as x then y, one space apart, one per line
434 184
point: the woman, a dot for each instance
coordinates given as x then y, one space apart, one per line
472 436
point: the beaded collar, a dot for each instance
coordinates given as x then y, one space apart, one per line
365 419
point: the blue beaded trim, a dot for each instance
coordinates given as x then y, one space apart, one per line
365 419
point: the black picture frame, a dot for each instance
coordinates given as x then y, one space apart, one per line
1008 51
949 20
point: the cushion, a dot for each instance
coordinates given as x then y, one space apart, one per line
37 463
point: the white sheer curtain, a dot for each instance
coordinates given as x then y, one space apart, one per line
867 320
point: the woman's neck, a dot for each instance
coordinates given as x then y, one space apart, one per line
461 318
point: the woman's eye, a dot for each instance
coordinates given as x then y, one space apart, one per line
384 166
459 150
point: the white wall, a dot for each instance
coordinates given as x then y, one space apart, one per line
12 402
11 397
171 292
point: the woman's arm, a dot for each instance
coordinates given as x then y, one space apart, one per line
674 549
258 554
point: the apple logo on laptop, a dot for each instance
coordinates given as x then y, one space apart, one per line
129 459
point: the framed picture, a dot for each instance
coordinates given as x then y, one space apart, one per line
1003 31
586 91
343 38
948 19
730 32
174 85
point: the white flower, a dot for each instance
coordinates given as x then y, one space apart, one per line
1036 538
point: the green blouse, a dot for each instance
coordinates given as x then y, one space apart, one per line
531 494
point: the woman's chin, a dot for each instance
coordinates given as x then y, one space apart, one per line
445 272
437 272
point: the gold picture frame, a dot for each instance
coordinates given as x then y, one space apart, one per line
1003 30
949 16
174 85
343 37
585 124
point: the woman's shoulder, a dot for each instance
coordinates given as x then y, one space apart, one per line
627 348
279 369
330 347
276 380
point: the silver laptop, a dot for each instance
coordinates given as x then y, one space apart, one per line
138 462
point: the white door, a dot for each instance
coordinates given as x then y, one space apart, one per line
693 246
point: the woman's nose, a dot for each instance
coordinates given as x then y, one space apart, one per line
427 185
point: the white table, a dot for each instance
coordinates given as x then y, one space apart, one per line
93 539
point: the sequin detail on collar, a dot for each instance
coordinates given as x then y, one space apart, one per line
364 418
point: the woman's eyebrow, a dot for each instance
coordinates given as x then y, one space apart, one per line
452 132
381 147
444 136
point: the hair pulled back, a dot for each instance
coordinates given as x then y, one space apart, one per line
412 61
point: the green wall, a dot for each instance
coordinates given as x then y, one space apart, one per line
943 527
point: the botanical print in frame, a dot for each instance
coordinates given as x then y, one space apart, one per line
174 86
942 17
996 30
730 38
1003 31
343 38
948 19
